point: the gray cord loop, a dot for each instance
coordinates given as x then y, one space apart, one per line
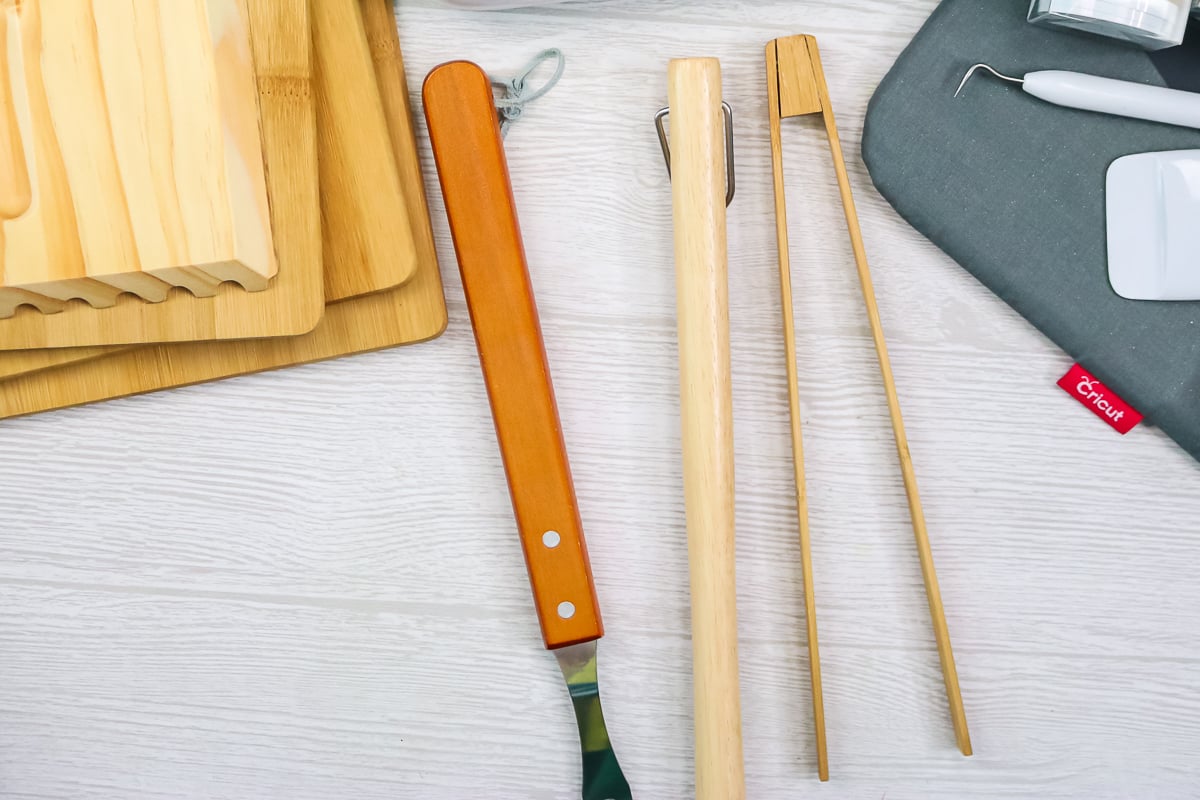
516 89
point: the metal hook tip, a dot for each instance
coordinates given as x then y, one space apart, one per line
992 70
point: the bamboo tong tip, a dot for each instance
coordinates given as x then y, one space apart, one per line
794 65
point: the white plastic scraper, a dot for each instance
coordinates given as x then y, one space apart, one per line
1153 230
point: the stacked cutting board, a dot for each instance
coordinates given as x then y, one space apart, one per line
195 189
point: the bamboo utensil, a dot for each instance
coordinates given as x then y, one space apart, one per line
699 157
796 87
465 133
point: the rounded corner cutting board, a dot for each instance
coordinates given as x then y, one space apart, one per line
294 302
414 312
368 248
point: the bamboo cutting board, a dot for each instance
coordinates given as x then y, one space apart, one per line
412 313
133 154
27 362
368 244
282 53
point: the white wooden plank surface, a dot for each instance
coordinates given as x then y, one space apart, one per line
321 595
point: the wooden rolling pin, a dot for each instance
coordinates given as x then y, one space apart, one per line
698 174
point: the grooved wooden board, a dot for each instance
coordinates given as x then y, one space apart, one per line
411 313
282 52
351 268
132 150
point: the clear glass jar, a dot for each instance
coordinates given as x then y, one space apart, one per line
1153 24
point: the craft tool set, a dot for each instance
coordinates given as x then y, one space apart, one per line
196 189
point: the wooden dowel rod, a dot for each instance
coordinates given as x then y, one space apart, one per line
706 409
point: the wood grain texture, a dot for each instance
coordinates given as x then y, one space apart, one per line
790 69
333 607
367 247
368 244
12 299
464 132
282 55
61 256
15 190
142 129
27 362
411 313
784 91
698 170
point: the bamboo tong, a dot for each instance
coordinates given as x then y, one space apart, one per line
796 87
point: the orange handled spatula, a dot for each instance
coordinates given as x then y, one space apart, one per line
465 132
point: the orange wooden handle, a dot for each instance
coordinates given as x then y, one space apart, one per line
465 132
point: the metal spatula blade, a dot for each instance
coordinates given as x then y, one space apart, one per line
602 776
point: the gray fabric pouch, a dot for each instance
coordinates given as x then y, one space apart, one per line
1013 189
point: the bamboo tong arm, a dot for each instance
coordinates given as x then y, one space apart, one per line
775 100
797 85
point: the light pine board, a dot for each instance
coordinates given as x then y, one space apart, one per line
294 302
411 313
367 236
335 604
137 149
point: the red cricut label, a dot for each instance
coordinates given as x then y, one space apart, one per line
1103 402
